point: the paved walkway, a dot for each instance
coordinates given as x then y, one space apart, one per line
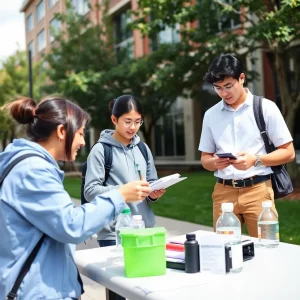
94 291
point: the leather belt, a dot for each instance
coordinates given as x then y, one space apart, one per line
241 183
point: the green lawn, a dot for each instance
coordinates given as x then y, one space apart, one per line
190 201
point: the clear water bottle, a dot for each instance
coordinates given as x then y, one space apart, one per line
268 226
137 222
230 227
123 221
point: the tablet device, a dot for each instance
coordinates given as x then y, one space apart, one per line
226 155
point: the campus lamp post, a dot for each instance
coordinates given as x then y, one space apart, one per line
30 74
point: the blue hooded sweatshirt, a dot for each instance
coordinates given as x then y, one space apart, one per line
33 202
123 170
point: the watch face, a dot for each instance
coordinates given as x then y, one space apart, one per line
257 163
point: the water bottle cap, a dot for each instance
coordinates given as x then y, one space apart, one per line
267 203
228 206
126 211
137 217
190 236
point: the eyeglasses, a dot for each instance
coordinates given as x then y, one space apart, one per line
218 89
135 123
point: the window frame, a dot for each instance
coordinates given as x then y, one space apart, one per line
28 27
40 14
51 24
38 40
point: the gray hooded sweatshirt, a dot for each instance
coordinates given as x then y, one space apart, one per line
123 170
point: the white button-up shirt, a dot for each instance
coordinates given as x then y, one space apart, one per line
227 130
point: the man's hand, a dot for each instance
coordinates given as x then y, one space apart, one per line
221 163
244 161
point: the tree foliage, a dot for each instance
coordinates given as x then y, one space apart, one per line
14 82
210 27
79 57
85 68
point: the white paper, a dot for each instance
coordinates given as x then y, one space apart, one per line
166 181
212 254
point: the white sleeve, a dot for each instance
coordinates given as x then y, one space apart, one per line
207 143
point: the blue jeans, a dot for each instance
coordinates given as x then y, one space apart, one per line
107 243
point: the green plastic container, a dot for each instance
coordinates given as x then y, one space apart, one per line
144 251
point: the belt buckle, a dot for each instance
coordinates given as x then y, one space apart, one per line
234 183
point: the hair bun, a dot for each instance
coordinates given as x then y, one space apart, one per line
111 105
22 110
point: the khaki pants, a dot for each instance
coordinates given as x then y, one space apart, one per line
247 202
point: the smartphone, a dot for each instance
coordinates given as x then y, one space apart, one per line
226 155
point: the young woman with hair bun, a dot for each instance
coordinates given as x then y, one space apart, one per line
34 204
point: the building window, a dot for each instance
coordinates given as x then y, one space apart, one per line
229 22
51 3
169 133
41 40
55 27
31 48
30 23
81 6
123 36
40 10
169 35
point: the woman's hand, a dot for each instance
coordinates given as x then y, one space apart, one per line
135 190
156 194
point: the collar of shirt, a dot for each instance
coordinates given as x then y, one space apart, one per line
248 101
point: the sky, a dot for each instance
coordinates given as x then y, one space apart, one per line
12 28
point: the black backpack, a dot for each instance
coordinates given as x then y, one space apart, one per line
107 165
281 181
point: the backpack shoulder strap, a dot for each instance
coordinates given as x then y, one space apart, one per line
15 162
143 150
261 124
25 268
258 113
107 160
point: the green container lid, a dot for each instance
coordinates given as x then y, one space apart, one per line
126 211
143 237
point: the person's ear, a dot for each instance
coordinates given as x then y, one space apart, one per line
242 78
114 119
61 132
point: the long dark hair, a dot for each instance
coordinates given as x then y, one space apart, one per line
125 104
44 117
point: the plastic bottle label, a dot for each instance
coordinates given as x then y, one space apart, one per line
232 234
268 232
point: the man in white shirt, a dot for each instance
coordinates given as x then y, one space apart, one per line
230 127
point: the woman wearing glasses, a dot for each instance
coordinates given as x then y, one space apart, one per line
128 163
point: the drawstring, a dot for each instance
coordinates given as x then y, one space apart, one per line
124 151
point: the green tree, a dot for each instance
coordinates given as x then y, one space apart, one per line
14 82
144 78
273 26
80 55
83 67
